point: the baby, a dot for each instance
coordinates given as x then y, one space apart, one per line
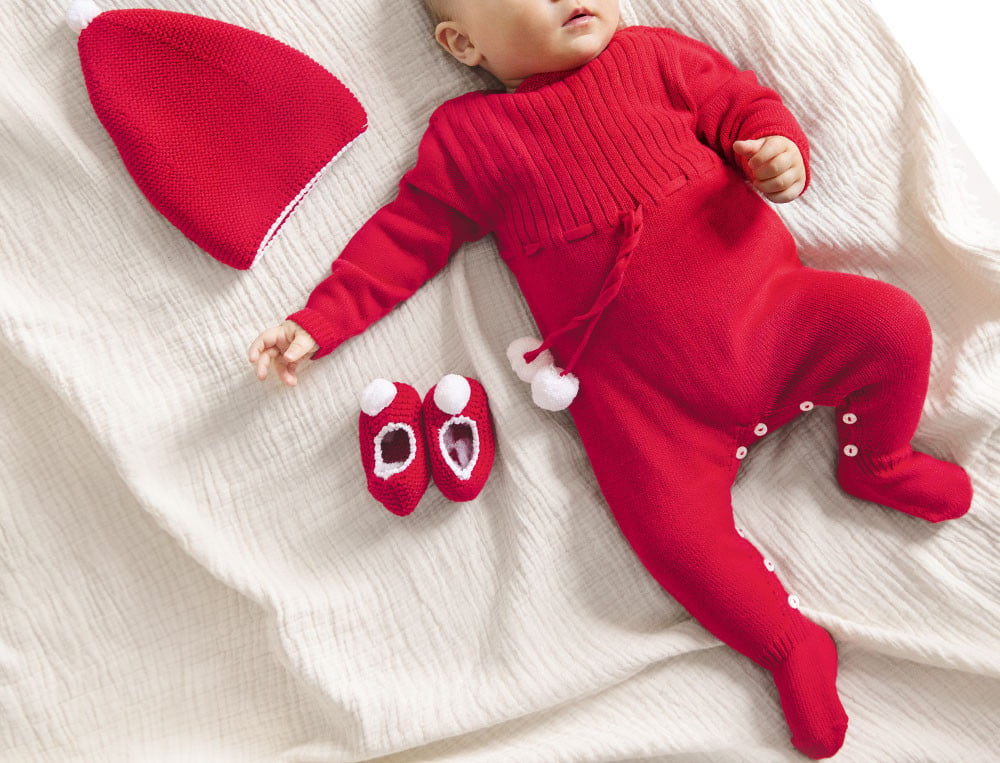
621 170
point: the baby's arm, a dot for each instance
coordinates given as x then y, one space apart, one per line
399 248
402 246
731 106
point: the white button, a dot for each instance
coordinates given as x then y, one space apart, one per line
741 452
850 418
793 601
806 405
760 430
739 531
851 450
769 564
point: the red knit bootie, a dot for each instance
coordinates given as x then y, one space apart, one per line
459 434
393 448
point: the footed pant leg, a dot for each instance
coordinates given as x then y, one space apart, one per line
671 498
865 346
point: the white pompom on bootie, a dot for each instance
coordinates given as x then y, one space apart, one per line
550 388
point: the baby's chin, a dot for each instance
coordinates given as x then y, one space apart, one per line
567 60
586 49
571 59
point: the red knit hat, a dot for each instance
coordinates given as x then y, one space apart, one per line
223 129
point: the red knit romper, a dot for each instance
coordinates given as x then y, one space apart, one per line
617 201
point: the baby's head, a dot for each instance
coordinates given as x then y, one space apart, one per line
513 39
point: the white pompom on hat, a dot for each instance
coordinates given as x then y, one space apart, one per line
80 14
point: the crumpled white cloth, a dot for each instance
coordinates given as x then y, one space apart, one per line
193 568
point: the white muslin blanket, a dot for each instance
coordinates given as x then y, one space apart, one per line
193 569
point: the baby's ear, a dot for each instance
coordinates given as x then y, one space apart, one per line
452 37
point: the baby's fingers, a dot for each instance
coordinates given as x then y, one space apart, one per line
788 193
285 369
267 338
780 183
264 361
301 345
775 166
288 374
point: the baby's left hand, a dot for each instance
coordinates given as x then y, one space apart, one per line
777 167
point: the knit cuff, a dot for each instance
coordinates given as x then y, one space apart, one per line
319 328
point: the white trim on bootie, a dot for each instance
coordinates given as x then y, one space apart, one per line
384 470
460 472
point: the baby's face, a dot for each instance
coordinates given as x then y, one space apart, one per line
513 39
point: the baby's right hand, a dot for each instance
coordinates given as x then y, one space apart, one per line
286 344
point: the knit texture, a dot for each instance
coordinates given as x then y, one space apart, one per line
619 208
543 165
806 682
394 451
195 569
223 129
460 445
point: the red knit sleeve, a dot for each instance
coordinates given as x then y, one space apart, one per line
399 248
730 104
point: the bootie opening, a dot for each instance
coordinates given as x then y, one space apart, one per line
458 444
459 441
395 448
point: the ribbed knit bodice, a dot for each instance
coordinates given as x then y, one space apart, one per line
567 154
569 149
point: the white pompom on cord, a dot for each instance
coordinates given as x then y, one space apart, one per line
551 391
80 14
452 393
376 396
515 354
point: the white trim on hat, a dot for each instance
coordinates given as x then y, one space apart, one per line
273 231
